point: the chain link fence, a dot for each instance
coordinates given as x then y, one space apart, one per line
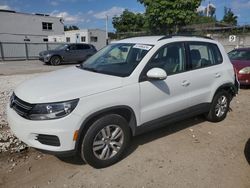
24 51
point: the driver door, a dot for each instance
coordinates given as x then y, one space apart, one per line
71 53
163 97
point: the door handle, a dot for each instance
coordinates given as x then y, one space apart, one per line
217 75
185 83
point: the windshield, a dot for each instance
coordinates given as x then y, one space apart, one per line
239 55
117 59
61 47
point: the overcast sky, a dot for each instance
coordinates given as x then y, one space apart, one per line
91 13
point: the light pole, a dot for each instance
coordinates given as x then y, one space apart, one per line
107 36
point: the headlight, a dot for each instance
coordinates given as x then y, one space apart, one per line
245 70
52 110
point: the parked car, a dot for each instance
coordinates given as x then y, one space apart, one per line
241 62
67 53
127 88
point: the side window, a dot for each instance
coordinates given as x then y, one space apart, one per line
85 46
171 58
204 55
72 47
79 47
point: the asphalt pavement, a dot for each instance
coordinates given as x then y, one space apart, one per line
27 67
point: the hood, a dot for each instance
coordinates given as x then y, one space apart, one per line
65 84
240 64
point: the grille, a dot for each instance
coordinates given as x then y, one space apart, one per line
21 107
51 140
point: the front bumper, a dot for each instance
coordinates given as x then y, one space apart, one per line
44 59
28 131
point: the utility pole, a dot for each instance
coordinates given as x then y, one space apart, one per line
107 36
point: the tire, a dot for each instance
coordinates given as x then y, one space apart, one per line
55 60
219 107
106 151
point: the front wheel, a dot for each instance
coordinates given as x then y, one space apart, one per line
219 107
55 60
105 141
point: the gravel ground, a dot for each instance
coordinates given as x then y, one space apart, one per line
192 153
8 142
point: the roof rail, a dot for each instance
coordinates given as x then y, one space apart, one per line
183 35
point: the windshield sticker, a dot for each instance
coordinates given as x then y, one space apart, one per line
142 46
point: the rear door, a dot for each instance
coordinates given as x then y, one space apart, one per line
204 69
84 50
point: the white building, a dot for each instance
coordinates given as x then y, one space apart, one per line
23 27
96 37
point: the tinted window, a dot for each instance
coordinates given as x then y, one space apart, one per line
85 46
239 55
82 46
72 47
171 58
204 55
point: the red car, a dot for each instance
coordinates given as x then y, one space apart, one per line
241 62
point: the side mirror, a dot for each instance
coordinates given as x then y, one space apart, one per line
67 49
157 74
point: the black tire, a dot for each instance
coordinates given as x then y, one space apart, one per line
47 63
219 107
55 60
94 135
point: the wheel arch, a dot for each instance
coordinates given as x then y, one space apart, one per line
229 87
124 111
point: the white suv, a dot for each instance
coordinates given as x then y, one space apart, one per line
129 87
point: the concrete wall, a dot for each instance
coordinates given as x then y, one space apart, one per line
242 41
15 27
101 38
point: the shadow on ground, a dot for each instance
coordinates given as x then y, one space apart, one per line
245 87
162 132
247 151
147 137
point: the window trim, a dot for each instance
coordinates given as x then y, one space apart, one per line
143 76
209 45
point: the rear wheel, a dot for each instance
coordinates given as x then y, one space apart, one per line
105 141
219 106
55 60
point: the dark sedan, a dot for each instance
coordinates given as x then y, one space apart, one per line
67 53
241 62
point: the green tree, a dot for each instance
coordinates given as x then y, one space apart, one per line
70 28
129 22
167 16
229 17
